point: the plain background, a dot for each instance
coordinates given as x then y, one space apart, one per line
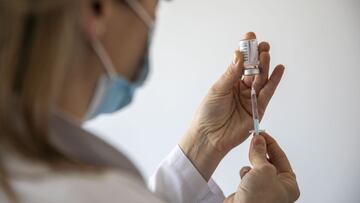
314 114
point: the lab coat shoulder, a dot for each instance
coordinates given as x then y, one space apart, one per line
83 187
178 181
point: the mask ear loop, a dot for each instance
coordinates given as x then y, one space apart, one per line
99 49
104 58
141 12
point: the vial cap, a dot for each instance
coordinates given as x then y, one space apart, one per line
251 71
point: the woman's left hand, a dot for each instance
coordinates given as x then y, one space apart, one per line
224 118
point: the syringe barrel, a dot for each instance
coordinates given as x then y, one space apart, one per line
254 104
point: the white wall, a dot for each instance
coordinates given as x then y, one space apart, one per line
314 114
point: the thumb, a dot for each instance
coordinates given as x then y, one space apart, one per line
244 170
231 75
257 154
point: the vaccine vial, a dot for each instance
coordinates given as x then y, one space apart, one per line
249 49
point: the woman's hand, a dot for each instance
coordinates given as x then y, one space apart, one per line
224 118
271 180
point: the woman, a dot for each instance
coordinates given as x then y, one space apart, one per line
63 62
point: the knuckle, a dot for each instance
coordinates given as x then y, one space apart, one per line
265 56
214 89
255 152
292 173
267 93
229 72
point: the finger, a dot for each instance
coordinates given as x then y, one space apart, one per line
244 171
264 47
257 154
248 80
260 80
250 35
268 90
276 155
230 199
231 75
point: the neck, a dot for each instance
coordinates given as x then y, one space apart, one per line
78 90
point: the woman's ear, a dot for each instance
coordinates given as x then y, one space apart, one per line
96 16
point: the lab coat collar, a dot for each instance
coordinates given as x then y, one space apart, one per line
70 138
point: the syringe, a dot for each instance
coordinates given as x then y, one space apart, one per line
255 113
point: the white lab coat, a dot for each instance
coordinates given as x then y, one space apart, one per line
175 180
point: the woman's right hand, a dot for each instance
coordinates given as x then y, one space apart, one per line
271 180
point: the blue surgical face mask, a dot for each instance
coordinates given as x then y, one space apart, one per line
113 91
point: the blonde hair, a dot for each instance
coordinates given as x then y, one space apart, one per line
37 41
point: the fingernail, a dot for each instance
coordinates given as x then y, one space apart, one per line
250 35
244 170
259 140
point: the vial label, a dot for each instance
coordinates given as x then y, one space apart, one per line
249 49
